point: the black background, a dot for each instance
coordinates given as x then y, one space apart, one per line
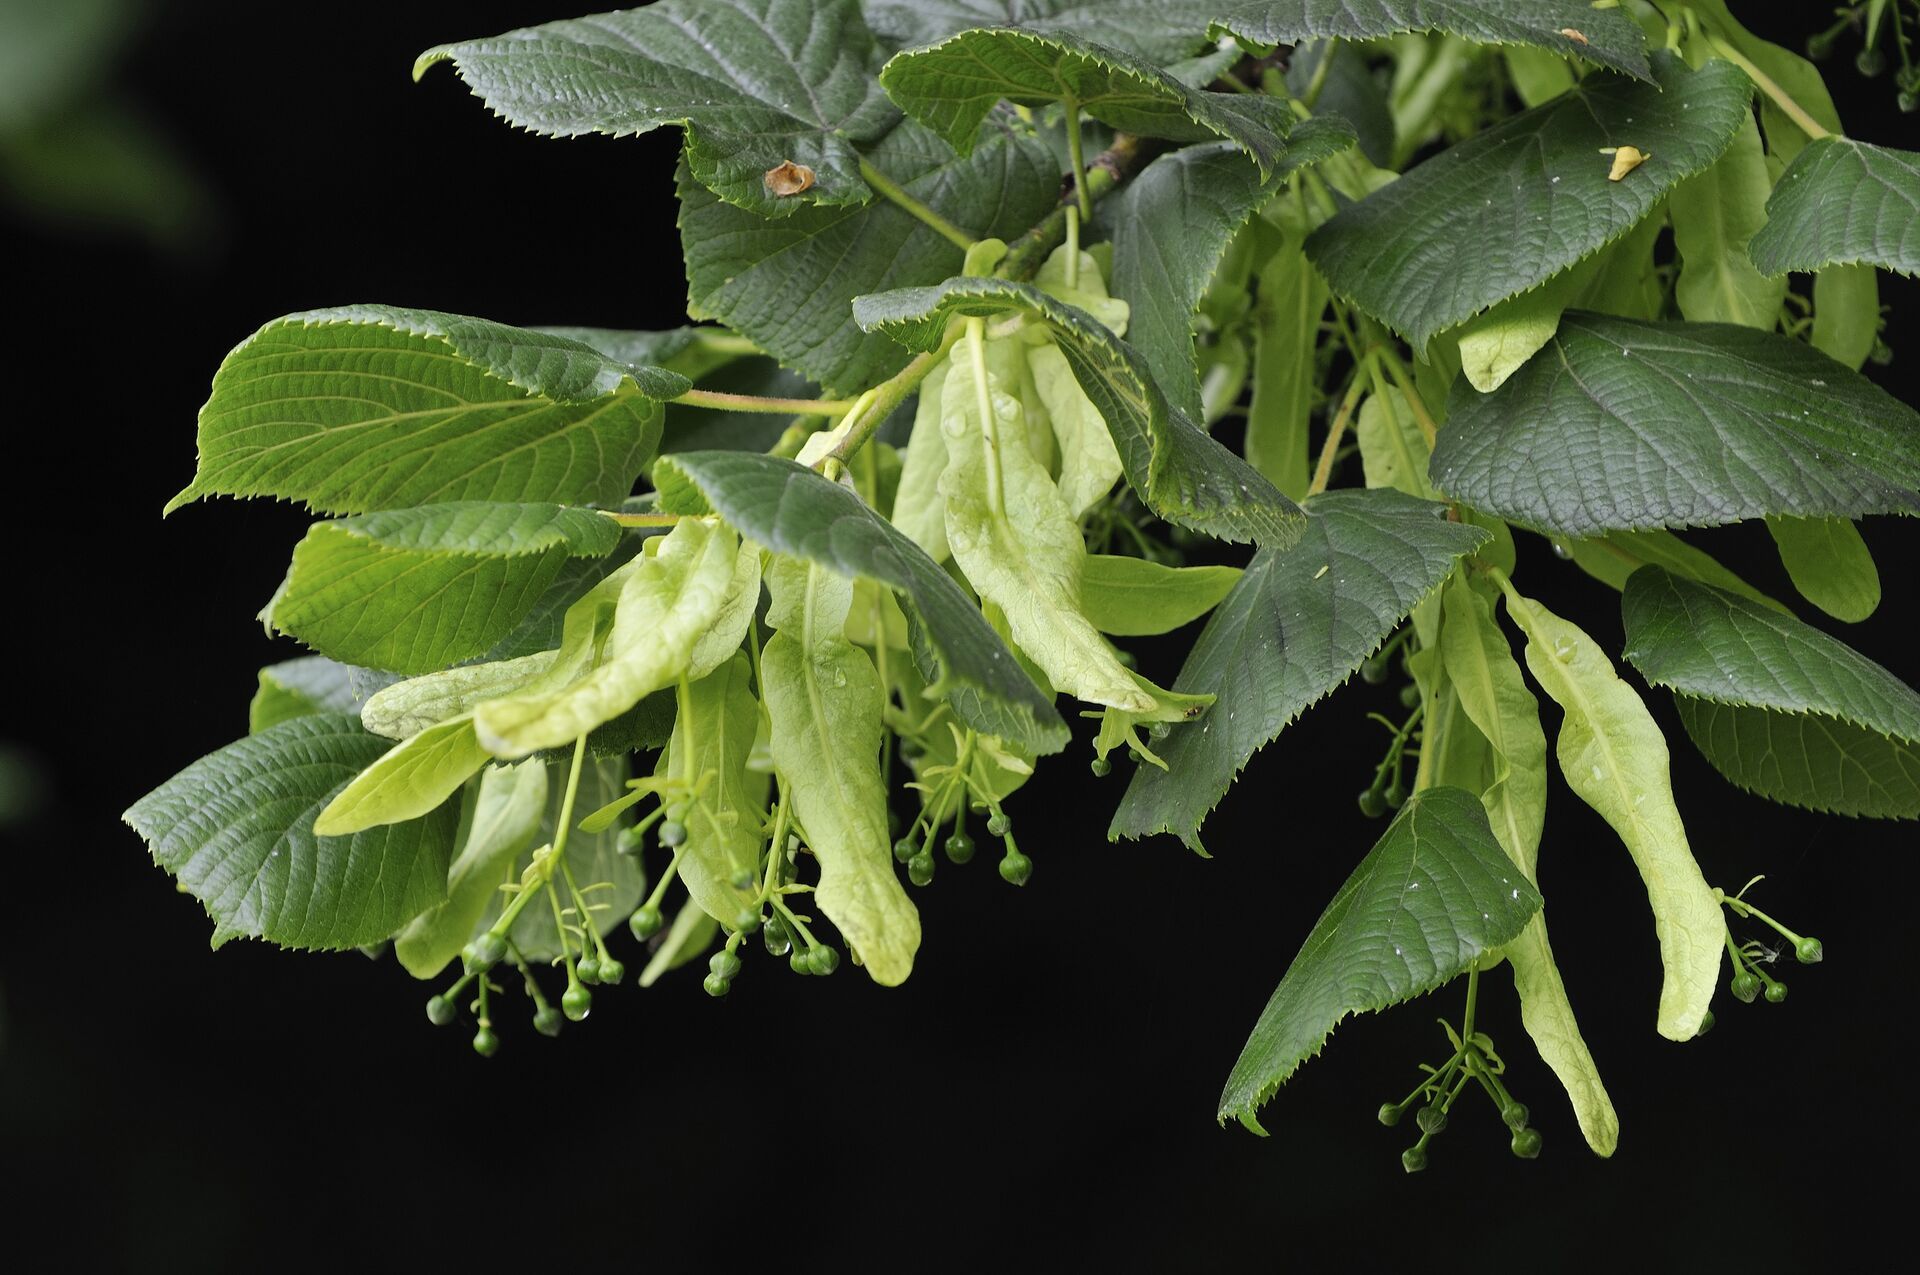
1040 1093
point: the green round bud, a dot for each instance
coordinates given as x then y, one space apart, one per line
577 1003
904 849
999 825
1908 78
1908 101
1431 1120
441 1011
920 869
1372 804
485 1043
1016 868
672 833
1870 62
746 921
486 951
1526 1143
645 922
1100 767
547 1021
716 986
959 848
1514 1115
1413 1159
799 963
724 963
1159 730
742 880
1373 671
632 840
825 960
1707 1021
1809 952
1409 695
1820 45
1745 986
1776 993
1396 793
588 969
1389 1114
612 972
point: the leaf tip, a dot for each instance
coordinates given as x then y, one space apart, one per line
430 59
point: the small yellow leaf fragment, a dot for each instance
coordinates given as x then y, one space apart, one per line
1625 160
1322 571
1571 34
788 178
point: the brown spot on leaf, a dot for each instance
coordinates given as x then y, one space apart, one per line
1573 35
788 178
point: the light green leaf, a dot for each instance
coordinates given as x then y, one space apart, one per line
1160 30
310 684
713 734
414 590
1089 462
1538 76
1494 696
1846 313
1830 565
1623 425
1132 597
1801 80
504 820
824 701
674 607
409 780
1434 895
1776 705
372 407
1296 625
1171 227
794 511
786 284
1607 36
951 86
236 831
1392 451
755 83
1714 216
1286 317
1615 759
1512 207
1843 202
1175 466
1612 558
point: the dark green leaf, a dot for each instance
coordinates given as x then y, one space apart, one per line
236 830
1160 30
1295 626
951 86
415 590
787 284
1434 895
1171 226
1606 36
1776 705
1508 209
756 83
1624 425
371 407
792 510
1843 202
1177 467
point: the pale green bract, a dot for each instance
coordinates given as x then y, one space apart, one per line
502 823
1615 759
1830 565
1434 895
824 701
1494 696
1132 597
713 736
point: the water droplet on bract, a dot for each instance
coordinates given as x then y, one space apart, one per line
1599 774
839 677
1564 651
1638 798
